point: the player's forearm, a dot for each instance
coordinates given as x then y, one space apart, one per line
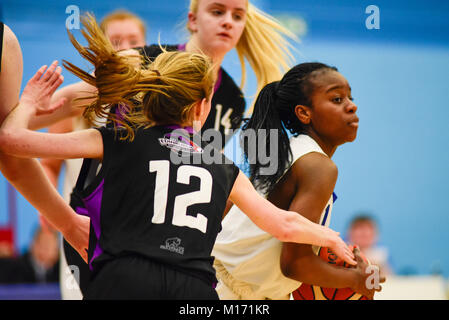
19 117
42 195
13 129
312 270
52 168
295 228
287 226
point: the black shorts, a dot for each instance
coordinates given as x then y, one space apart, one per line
136 278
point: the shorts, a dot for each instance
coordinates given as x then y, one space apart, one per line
138 278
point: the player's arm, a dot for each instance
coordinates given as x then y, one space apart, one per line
75 96
25 143
228 207
27 175
52 167
17 140
315 176
284 225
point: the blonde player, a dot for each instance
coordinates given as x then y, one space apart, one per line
125 30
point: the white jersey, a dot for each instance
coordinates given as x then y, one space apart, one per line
247 259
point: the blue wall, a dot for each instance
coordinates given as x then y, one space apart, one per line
396 169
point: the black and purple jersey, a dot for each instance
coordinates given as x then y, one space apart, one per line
144 203
228 103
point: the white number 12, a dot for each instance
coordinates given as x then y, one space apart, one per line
182 202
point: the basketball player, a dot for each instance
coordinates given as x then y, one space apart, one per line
216 27
26 175
153 218
125 30
313 102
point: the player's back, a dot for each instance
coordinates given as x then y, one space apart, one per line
155 197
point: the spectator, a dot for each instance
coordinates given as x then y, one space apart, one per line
38 265
6 242
364 232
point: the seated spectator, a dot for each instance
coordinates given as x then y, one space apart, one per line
38 265
363 231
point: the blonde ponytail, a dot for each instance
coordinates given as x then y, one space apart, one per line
164 92
264 45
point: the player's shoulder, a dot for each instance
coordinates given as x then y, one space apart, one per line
228 93
9 43
315 166
228 84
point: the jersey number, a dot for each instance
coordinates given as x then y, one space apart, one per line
225 121
182 202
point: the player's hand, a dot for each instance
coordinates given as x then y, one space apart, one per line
341 249
368 277
40 88
78 235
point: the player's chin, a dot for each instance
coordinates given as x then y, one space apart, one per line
223 45
352 138
351 135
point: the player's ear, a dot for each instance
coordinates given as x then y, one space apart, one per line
191 22
197 110
197 113
303 113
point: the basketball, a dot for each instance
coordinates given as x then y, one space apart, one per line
310 292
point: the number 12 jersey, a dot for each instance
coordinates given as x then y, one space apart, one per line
144 203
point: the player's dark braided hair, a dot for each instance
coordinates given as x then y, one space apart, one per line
275 109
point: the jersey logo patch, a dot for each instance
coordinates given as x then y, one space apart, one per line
173 245
179 143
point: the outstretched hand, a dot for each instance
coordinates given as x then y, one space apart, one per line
40 88
340 248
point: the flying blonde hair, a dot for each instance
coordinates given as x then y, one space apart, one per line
164 92
263 44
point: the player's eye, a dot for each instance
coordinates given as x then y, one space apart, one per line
337 100
216 12
238 17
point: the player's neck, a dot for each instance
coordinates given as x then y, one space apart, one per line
328 147
217 58
189 126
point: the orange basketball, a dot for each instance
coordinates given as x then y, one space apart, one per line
309 292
